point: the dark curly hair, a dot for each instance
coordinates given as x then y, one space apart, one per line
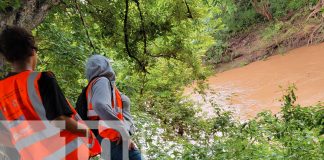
16 44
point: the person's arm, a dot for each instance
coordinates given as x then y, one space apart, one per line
101 101
74 127
56 105
126 107
127 114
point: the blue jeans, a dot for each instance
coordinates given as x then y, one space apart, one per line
116 151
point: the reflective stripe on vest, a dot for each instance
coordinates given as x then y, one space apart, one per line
34 141
39 108
116 101
94 145
49 131
105 131
33 97
61 153
92 113
14 123
36 137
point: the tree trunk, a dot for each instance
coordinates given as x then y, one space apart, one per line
30 14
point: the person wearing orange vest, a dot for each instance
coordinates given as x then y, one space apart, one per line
105 102
32 103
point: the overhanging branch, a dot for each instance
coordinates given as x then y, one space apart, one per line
142 26
188 9
126 38
143 31
77 6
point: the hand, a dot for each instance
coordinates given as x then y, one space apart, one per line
131 144
119 141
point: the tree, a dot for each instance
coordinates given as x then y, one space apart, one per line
26 13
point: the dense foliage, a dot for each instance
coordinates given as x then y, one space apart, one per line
294 133
238 16
158 48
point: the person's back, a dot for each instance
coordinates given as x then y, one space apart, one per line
22 107
29 103
106 103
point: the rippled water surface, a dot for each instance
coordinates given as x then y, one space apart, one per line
253 88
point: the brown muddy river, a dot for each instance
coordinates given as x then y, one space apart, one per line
253 88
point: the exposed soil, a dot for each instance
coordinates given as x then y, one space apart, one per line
252 45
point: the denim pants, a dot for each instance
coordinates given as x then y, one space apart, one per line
116 151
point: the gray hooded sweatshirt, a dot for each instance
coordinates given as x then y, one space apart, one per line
99 66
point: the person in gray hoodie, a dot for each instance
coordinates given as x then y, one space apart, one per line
99 67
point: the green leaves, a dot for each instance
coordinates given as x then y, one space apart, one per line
287 135
9 5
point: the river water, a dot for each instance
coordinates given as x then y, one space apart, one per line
253 88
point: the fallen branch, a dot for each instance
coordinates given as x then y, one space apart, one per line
317 8
310 40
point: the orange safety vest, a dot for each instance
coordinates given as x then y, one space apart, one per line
21 106
104 131
93 143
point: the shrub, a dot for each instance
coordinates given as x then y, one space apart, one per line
280 8
294 133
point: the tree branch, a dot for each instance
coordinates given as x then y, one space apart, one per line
188 10
77 6
126 39
142 26
143 31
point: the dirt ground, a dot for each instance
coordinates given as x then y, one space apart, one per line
259 42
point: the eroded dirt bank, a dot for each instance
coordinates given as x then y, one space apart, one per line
253 88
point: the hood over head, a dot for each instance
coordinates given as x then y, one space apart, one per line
98 65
